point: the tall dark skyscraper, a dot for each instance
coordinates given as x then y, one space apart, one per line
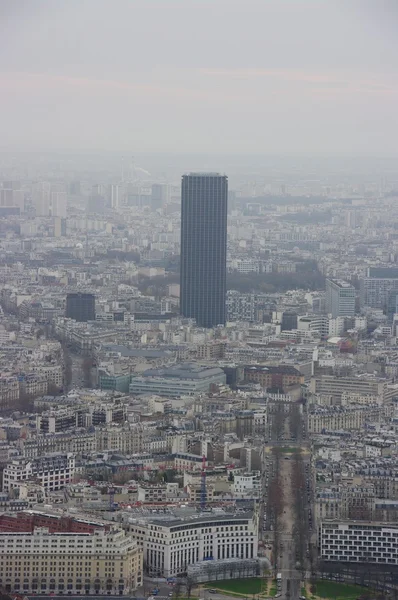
204 203
80 307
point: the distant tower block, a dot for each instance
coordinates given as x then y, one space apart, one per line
80 307
204 204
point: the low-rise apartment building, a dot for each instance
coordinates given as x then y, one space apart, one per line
152 492
327 504
363 385
336 418
184 461
358 541
79 442
33 384
53 373
247 485
9 392
195 492
126 438
101 562
52 472
279 377
53 421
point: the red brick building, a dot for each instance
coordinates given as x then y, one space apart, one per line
27 521
269 377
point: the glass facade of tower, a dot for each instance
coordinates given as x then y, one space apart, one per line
340 298
80 307
204 203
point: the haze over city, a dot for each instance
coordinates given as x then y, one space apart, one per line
199 76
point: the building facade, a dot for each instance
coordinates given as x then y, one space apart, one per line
337 418
377 285
204 202
340 298
186 379
363 385
241 307
170 546
355 541
80 307
101 562
9 392
53 471
280 377
79 442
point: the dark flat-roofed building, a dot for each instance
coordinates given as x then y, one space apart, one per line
80 307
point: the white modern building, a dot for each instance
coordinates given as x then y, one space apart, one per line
52 472
340 298
358 541
186 379
170 546
247 485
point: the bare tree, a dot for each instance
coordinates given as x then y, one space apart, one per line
275 501
177 588
300 507
122 477
53 390
25 401
87 365
39 333
67 361
295 421
189 585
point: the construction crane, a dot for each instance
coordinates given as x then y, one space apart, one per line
203 485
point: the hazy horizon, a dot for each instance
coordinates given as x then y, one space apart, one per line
200 77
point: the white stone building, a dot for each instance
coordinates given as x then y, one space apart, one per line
103 562
170 546
52 472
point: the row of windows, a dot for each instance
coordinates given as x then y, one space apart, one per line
219 528
353 529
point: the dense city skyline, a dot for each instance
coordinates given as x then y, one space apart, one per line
199 299
259 437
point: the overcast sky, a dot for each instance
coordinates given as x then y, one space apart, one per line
220 76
